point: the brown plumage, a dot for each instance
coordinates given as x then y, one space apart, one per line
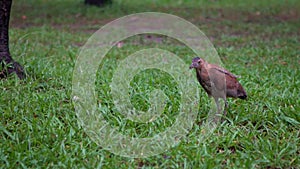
217 82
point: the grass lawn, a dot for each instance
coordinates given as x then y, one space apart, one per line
258 40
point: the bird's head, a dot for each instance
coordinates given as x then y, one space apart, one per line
196 63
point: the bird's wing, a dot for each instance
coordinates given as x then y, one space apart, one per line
223 71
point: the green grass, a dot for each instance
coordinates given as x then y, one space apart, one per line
259 42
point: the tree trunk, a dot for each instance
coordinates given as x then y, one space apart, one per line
98 3
6 61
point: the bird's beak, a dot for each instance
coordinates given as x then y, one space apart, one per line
194 65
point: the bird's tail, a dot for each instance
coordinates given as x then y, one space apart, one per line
241 92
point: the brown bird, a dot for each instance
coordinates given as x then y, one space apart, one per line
217 82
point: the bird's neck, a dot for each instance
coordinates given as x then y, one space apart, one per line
203 67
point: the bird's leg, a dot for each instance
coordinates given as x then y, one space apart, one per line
216 115
218 105
225 106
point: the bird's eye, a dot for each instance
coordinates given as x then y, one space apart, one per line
199 61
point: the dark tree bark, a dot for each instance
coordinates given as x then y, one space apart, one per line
7 63
97 2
